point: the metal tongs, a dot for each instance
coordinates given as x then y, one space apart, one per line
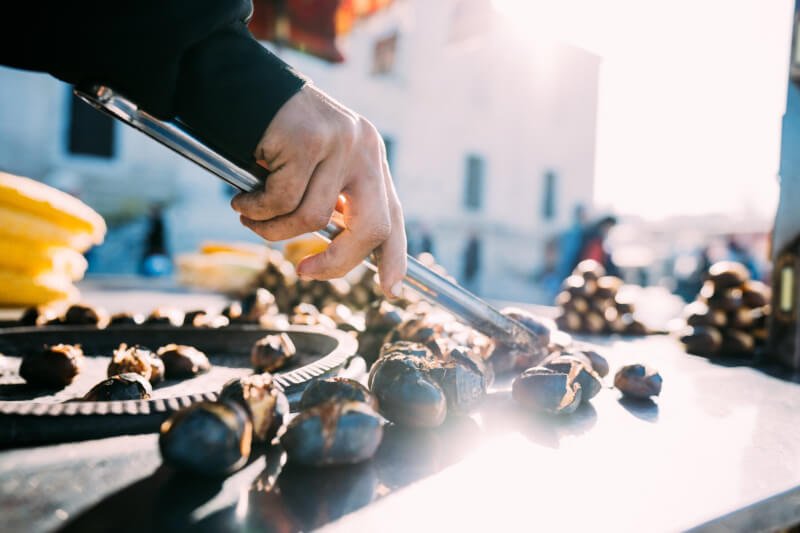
430 285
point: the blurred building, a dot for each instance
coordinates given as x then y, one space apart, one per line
488 132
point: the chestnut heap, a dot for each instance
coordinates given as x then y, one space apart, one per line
591 302
729 317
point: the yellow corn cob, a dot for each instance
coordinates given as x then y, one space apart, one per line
34 259
23 290
16 224
60 208
221 271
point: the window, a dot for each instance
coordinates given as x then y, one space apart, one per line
390 149
90 131
473 189
549 195
383 55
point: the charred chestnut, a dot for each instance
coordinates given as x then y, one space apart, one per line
272 352
339 389
53 366
415 329
597 362
407 393
84 315
306 314
335 432
125 319
380 318
756 294
587 378
535 324
607 287
128 386
181 362
699 314
203 319
463 379
39 316
165 316
589 269
638 381
736 342
256 304
546 390
137 360
210 439
411 348
266 405
702 340
725 274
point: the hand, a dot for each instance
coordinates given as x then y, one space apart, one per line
316 150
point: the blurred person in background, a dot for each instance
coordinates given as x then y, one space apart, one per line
570 243
198 61
549 277
594 244
472 263
155 259
734 251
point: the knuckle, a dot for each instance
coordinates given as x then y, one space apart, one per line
378 233
313 219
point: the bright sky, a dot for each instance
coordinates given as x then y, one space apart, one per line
691 98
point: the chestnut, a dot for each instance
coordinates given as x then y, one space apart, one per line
337 388
335 432
84 315
53 366
726 274
736 342
638 381
546 390
272 352
128 386
181 362
137 360
756 294
589 269
209 439
259 395
702 340
165 316
125 319
587 378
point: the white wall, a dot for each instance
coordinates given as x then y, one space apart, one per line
524 108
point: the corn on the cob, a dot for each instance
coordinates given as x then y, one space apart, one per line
17 224
244 248
24 290
34 258
61 209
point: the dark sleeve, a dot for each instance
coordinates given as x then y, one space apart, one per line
192 59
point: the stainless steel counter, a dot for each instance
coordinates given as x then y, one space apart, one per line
719 450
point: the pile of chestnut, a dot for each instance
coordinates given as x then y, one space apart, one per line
591 302
729 316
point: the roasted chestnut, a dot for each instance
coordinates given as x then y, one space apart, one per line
336 432
702 340
407 392
128 386
210 439
699 314
264 402
165 316
589 269
39 316
725 274
736 342
343 317
546 390
324 389
181 362
638 381
201 318
380 318
53 366
272 352
607 287
538 326
137 360
415 329
726 299
84 315
306 314
125 319
755 294
256 304
569 321
587 378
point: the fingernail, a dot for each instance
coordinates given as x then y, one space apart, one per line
397 289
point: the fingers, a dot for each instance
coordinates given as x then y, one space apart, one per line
369 224
282 193
314 211
392 262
